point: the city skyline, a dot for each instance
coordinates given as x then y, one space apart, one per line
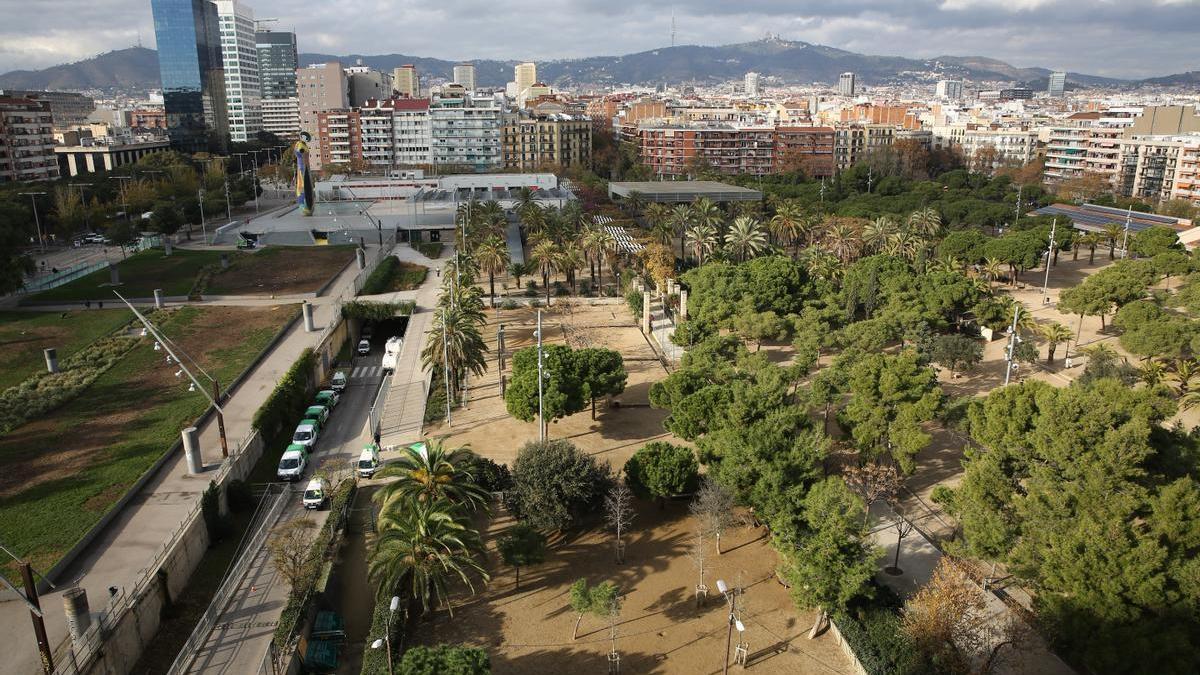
1024 33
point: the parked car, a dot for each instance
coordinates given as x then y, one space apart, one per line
391 353
306 434
318 414
338 381
364 347
368 461
293 463
314 494
328 398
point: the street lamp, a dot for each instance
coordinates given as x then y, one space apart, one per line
173 357
203 224
730 599
387 634
36 221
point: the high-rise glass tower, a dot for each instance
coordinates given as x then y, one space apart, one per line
277 63
243 95
193 81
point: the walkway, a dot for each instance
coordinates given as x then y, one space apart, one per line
404 410
119 555
662 329
512 234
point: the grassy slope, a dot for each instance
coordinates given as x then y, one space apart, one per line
23 336
140 275
47 519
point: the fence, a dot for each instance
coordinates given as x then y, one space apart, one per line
375 414
230 583
63 277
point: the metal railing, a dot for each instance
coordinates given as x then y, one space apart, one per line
62 277
199 637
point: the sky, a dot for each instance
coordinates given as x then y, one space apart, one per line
1116 38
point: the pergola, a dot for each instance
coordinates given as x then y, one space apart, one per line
683 191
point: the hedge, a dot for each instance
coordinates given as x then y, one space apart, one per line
287 402
300 596
445 660
375 661
876 638
377 311
380 279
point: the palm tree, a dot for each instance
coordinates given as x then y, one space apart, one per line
431 475
603 244
1113 232
570 259
1091 240
787 224
680 218
947 264
636 201
1054 333
518 270
991 269
534 218
1182 376
656 214
464 349
492 255
878 232
702 237
705 211
420 547
745 238
823 265
926 222
842 238
545 256
1152 372
903 244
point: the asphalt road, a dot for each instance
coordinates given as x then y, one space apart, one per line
239 642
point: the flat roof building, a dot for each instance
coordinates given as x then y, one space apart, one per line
683 191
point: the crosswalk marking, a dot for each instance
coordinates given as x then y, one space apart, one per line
365 371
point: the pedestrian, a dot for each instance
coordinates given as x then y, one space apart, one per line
100 305
54 270
87 304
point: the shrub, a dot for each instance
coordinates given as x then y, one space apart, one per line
691 332
585 287
509 304
490 475
445 660
662 470
877 639
634 298
210 507
555 484
531 289
286 402
380 280
560 290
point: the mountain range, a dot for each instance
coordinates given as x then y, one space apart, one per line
792 62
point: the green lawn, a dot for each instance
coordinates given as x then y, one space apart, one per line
141 273
23 336
44 520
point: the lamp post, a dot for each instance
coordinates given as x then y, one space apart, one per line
446 367
1012 345
1049 257
36 221
541 374
731 600
124 201
173 354
387 634
203 224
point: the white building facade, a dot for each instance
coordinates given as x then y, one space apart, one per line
239 56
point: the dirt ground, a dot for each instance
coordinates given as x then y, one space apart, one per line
660 628
281 270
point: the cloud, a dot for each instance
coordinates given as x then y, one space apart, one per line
1122 38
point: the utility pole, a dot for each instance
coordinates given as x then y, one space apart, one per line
446 367
1049 257
35 614
541 419
228 207
1012 343
203 224
36 221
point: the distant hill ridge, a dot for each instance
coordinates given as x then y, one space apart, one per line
136 68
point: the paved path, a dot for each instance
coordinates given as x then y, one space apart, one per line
662 328
129 544
404 410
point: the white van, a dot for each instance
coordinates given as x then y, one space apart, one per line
391 353
338 382
368 461
314 494
292 463
306 434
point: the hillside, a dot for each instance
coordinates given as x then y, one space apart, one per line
132 69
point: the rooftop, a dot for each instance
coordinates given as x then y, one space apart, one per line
1093 218
684 191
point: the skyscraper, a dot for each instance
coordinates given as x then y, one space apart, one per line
525 76
752 84
239 53
277 63
1057 84
406 82
189 65
950 90
464 74
846 84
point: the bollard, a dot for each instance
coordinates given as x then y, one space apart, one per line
361 256
309 324
79 616
158 298
224 261
191 450
166 247
51 359
646 312
114 275
682 303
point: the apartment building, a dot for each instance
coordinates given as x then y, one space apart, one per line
26 141
406 82
853 142
673 150
277 63
466 131
376 130
239 56
1087 142
1160 168
464 74
339 136
320 87
524 77
809 149
281 116
1011 146
534 141
366 83
65 107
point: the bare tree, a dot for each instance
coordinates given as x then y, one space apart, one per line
713 507
949 620
614 613
291 551
873 482
904 527
618 512
700 562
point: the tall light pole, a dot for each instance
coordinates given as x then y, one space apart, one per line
124 201
387 633
1012 344
228 207
1125 239
203 224
1049 257
36 221
446 367
731 600
167 344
